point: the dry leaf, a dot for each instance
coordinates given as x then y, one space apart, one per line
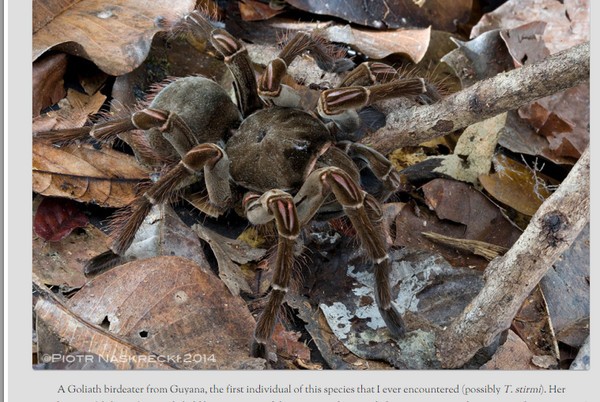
171 307
473 152
515 185
45 11
532 323
74 112
229 253
61 263
424 285
525 43
288 344
47 82
440 14
116 36
568 21
56 218
459 211
480 58
163 233
566 288
104 177
512 355
380 44
78 334
563 120
567 24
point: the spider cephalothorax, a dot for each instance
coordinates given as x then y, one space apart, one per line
287 165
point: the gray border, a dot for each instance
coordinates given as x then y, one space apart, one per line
2 84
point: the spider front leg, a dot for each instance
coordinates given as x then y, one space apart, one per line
369 73
171 132
235 56
278 205
270 85
207 159
341 104
364 213
107 130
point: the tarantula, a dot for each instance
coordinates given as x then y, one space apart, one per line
284 164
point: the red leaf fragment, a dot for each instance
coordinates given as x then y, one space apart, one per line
56 218
288 343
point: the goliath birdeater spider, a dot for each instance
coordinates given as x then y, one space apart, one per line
282 163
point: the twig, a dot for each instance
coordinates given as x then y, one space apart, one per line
486 250
510 278
501 93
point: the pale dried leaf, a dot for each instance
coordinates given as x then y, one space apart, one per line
171 307
568 21
229 253
78 334
379 44
163 233
74 112
473 153
116 36
105 177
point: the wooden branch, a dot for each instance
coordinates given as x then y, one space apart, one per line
485 99
510 278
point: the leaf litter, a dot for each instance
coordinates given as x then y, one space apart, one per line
338 306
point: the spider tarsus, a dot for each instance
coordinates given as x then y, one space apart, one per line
394 322
128 222
259 350
101 263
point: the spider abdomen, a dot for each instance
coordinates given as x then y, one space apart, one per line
276 148
202 104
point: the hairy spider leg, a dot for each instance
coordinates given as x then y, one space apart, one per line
277 205
270 85
364 213
290 215
235 56
369 73
207 159
341 104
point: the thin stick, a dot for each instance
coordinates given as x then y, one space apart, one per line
485 99
509 279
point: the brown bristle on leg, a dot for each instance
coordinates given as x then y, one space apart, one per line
102 263
64 136
110 129
127 222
